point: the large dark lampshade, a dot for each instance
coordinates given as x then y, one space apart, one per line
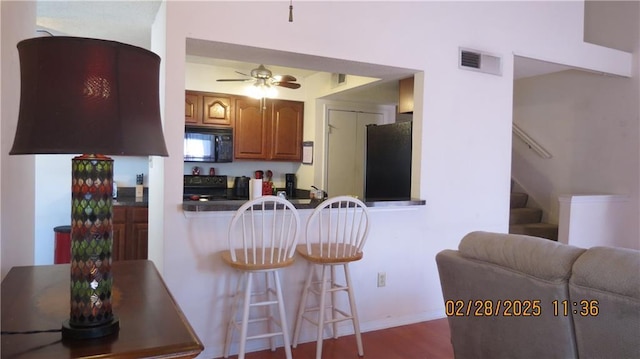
95 98
82 95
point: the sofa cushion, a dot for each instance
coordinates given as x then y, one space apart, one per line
604 293
535 256
615 270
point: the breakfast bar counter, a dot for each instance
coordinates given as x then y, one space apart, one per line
232 205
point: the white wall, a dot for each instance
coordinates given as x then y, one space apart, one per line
596 220
157 164
465 137
589 123
17 195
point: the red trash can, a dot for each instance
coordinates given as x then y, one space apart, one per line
62 250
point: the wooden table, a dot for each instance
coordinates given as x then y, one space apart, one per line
151 323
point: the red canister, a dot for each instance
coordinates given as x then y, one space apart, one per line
267 188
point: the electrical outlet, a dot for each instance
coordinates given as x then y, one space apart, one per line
382 279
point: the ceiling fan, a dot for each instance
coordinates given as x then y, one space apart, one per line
264 77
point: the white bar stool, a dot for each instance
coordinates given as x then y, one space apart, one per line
335 234
262 239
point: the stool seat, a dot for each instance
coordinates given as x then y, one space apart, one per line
321 254
245 264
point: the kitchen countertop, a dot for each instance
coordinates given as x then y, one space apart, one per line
127 197
233 205
131 201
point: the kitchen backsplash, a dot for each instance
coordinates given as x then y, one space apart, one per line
125 169
245 168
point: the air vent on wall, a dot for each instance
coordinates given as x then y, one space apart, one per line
479 61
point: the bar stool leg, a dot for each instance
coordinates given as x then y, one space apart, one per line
283 319
323 294
232 317
267 292
245 315
302 306
354 312
334 300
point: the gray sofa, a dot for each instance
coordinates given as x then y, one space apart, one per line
516 296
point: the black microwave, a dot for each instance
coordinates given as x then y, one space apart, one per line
203 144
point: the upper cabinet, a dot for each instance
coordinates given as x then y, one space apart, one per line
269 130
208 109
250 137
405 100
286 130
192 108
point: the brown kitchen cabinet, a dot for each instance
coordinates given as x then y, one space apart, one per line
130 233
269 130
405 100
208 109
192 108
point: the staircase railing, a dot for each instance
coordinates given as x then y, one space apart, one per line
535 146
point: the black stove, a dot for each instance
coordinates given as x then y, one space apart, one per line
205 188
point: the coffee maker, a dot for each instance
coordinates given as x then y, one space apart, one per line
241 187
290 184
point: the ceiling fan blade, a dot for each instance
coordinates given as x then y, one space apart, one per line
284 78
243 74
230 80
290 85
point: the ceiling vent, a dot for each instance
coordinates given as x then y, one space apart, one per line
480 61
338 79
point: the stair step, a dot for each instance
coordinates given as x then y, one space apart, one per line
518 199
543 230
525 215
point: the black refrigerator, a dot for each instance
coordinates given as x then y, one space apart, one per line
388 162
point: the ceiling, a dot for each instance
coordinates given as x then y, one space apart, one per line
124 21
130 22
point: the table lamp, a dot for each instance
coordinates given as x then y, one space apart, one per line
94 98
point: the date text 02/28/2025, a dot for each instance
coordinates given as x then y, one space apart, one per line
519 308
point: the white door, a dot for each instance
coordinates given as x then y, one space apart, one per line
346 150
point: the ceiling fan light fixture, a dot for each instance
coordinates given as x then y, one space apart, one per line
261 89
265 82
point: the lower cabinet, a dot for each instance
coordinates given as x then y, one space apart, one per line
130 233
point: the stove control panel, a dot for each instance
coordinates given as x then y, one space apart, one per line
205 181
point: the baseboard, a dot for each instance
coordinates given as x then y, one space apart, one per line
344 329
399 321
